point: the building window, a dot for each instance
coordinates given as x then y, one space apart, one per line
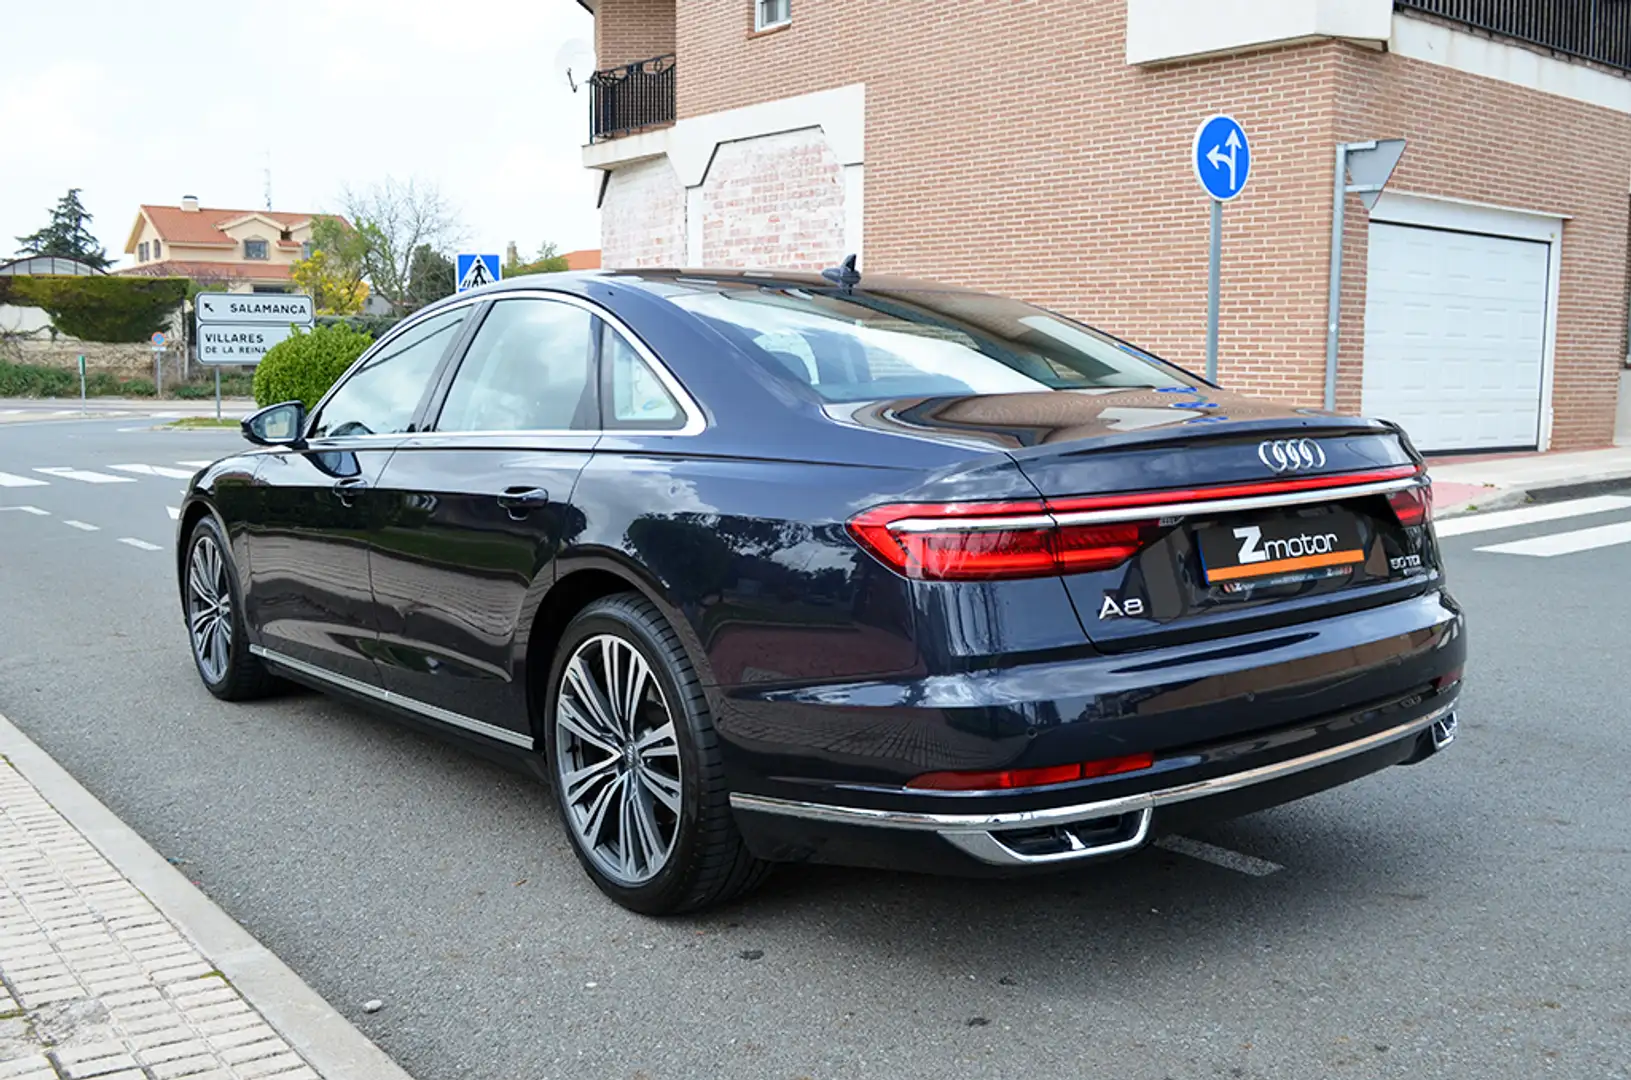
255 249
141 251
306 249
769 14
155 249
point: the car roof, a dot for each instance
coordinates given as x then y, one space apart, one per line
652 280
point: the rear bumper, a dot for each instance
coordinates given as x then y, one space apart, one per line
1077 831
1234 725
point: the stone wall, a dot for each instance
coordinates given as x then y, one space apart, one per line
117 359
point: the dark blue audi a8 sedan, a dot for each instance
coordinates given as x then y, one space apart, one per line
777 567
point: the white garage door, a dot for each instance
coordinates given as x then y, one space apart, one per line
1455 328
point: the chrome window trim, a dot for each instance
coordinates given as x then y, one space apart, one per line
433 712
391 335
1064 815
1154 510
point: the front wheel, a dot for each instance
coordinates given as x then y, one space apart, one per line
215 623
636 764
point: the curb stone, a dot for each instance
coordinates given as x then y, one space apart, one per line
308 1023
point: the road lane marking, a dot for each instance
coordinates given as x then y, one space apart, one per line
36 511
13 480
155 470
85 476
196 465
1219 856
1566 543
135 543
1529 515
80 525
174 512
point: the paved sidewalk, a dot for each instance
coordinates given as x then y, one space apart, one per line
1469 485
100 978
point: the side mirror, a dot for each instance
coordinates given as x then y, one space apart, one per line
283 424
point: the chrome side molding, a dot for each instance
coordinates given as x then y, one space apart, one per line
433 712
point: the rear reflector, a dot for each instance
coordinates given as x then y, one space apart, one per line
1413 505
1025 778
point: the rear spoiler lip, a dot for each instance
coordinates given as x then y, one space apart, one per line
1307 427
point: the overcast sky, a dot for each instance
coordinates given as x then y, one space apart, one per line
146 102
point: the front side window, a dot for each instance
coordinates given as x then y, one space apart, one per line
255 249
380 396
528 369
636 398
871 346
771 13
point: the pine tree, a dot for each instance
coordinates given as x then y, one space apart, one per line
67 236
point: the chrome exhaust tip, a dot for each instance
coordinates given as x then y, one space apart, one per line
1444 732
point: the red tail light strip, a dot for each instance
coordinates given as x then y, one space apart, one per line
969 541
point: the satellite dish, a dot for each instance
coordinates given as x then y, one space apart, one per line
574 61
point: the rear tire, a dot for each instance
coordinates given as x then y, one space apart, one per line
213 610
636 767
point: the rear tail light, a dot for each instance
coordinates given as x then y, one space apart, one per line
1080 534
1025 778
1414 505
959 542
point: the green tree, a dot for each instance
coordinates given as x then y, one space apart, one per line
430 277
549 260
333 273
305 364
67 235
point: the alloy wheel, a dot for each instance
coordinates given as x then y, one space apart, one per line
617 760
209 609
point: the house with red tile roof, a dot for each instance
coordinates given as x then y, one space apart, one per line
228 250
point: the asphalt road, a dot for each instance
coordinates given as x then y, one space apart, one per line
1466 918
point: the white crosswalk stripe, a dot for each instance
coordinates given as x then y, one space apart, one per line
1531 515
84 476
36 511
80 525
197 464
174 512
155 470
140 544
13 480
1566 543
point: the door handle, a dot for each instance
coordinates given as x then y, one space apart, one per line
520 501
347 489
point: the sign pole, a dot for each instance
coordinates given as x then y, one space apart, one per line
1213 281
84 406
217 393
158 373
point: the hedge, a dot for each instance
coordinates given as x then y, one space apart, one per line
304 365
100 307
38 380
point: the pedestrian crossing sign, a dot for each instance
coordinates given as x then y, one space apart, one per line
473 270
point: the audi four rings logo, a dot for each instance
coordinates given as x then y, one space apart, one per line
1290 455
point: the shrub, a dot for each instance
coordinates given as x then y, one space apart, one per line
305 365
100 308
38 380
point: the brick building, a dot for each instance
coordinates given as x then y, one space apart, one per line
1041 148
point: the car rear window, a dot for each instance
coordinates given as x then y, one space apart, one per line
866 346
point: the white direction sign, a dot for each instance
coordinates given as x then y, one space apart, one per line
241 344
239 328
278 309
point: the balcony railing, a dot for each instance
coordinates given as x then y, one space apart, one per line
631 97
1598 30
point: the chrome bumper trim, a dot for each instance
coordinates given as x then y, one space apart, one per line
1064 815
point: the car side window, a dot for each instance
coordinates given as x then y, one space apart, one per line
635 397
528 369
379 398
